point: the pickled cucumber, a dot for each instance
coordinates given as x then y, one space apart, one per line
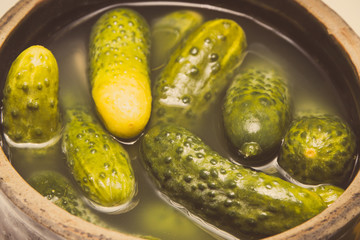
168 31
99 164
319 149
257 112
227 195
60 191
31 113
119 72
197 72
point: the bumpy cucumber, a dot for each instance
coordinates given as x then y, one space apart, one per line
234 198
197 72
119 72
99 164
167 32
59 190
319 149
31 113
257 112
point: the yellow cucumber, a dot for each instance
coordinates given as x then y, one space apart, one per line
119 72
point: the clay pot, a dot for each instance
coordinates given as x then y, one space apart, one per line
25 214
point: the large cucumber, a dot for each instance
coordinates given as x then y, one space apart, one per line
257 112
319 148
231 197
31 113
119 72
168 31
197 72
99 164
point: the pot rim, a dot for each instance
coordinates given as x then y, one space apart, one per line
47 214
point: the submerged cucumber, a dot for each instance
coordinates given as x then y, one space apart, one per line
257 112
31 113
59 190
165 222
119 72
99 164
197 72
227 195
167 32
319 149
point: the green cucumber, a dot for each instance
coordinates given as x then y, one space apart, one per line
257 112
168 31
119 72
234 198
31 113
99 164
197 71
60 191
319 149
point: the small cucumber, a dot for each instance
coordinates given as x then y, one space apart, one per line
197 72
59 190
119 72
99 164
234 198
257 112
168 31
319 149
31 113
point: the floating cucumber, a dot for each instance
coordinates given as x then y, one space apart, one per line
59 190
167 32
119 72
225 194
257 112
197 72
319 149
99 164
31 113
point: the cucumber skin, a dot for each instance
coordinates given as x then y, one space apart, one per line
332 143
31 113
227 195
257 111
197 72
59 190
98 163
118 62
181 23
